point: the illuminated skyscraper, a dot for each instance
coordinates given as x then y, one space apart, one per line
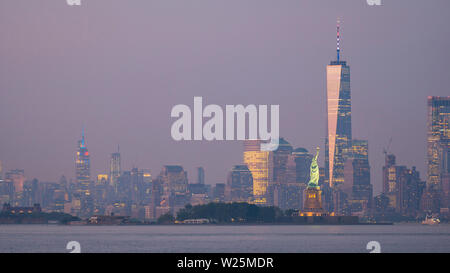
114 169
437 195
83 167
438 138
339 125
260 165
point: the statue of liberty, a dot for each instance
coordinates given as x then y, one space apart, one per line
314 172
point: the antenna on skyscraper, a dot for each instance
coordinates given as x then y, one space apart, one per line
338 48
82 136
386 150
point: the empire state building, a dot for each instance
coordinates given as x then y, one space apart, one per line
82 167
339 121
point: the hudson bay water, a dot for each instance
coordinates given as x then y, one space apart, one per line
211 238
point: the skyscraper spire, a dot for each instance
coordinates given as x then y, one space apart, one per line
338 40
82 137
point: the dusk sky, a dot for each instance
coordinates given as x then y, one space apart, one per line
117 68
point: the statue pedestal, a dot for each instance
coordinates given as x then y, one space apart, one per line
312 202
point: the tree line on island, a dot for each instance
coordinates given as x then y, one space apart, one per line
36 218
228 213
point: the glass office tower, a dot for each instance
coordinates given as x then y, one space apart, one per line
260 164
339 122
438 138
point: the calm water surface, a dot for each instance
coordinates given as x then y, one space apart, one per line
396 238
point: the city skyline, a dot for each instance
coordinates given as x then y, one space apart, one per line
393 106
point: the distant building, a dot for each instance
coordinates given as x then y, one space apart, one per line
438 136
134 187
412 192
283 172
260 165
147 175
174 179
101 194
17 177
219 192
438 155
149 212
280 161
7 208
445 199
161 210
75 205
239 186
197 188
289 194
302 164
114 169
199 199
102 179
83 167
170 190
357 186
137 186
124 187
381 208
391 180
402 186
31 193
430 201
147 186
362 189
200 175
